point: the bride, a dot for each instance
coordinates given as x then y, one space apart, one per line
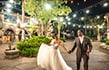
49 56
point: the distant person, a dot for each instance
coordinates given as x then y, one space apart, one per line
9 40
35 33
1 36
23 34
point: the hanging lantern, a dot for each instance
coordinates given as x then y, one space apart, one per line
72 1
84 0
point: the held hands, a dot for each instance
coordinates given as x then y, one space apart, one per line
69 51
66 49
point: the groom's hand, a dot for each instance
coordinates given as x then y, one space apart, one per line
87 52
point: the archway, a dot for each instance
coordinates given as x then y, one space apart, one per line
13 33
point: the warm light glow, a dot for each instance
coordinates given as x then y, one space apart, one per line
18 20
98 17
79 26
72 1
8 10
94 26
74 25
99 26
8 5
7 20
87 26
68 19
105 4
11 1
90 26
61 19
83 26
82 18
64 23
74 15
69 23
87 11
47 6
84 0
55 18
78 3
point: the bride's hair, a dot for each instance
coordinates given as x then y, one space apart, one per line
54 35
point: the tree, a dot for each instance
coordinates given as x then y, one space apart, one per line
36 9
98 22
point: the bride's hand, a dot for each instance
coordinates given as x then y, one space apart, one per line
67 50
49 44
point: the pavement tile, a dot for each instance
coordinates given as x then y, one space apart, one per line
98 60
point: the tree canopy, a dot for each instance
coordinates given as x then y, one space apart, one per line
37 9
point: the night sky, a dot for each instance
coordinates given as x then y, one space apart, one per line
78 6
95 6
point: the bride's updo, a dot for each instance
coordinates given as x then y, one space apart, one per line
55 36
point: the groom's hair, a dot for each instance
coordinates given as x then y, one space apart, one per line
81 30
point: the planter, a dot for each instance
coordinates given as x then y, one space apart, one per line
11 54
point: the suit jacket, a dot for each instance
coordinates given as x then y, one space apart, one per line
82 48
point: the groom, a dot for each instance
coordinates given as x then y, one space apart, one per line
84 47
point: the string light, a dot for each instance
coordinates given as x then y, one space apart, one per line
74 15
98 17
105 4
84 26
94 5
69 23
79 26
64 23
74 25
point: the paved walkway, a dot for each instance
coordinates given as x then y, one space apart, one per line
98 60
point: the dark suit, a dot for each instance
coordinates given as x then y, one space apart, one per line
81 51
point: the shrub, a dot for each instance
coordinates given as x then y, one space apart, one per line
63 39
107 41
31 46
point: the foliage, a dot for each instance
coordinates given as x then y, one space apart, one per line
63 39
93 38
31 46
36 9
107 41
94 21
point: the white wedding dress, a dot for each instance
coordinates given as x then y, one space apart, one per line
50 58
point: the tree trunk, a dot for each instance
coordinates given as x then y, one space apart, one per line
98 36
23 14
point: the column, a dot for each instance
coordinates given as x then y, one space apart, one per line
23 14
107 19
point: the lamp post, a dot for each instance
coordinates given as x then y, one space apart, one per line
48 8
59 25
2 16
99 36
83 19
23 11
60 21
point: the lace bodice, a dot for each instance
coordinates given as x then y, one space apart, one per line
55 46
